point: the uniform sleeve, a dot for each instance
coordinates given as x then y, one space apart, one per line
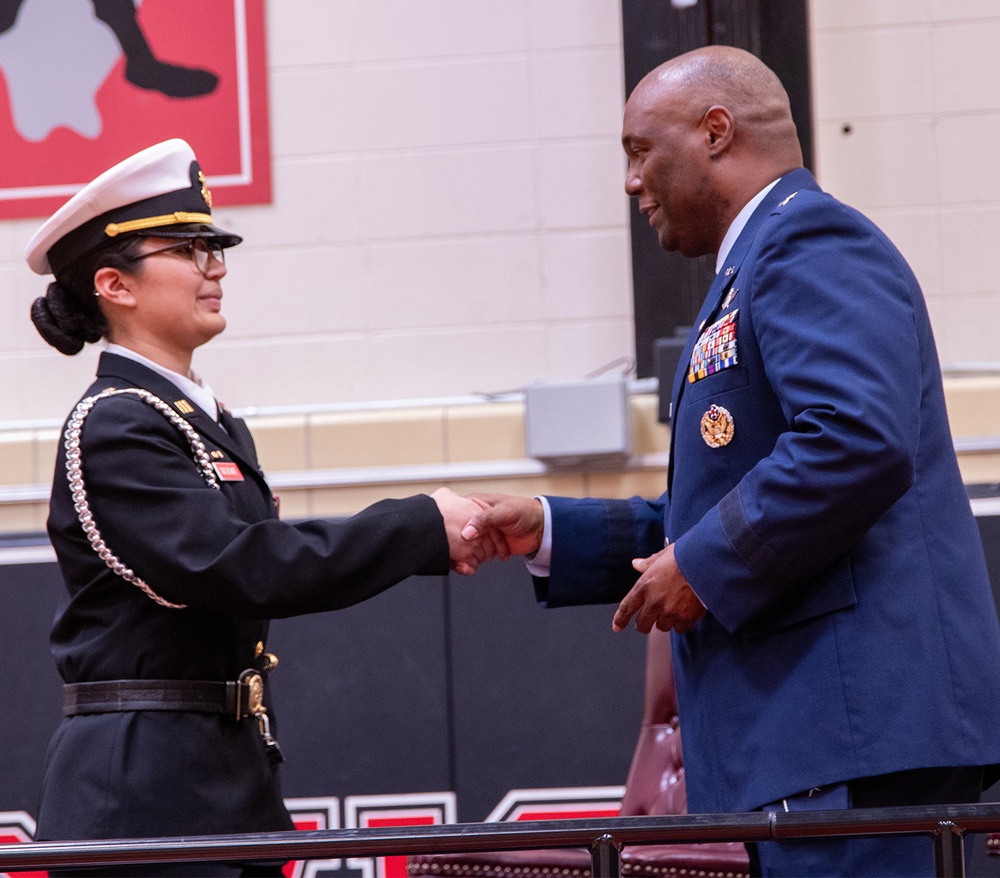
184 538
593 544
833 309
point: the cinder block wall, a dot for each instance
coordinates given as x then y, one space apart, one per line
448 212
335 463
449 219
906 107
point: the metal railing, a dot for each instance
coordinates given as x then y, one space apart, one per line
605 837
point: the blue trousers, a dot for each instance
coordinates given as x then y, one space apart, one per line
875 856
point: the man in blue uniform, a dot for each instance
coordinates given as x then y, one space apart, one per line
836 643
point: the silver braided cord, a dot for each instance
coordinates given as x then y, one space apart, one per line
74 473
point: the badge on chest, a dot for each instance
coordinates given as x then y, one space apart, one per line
227 471
717 427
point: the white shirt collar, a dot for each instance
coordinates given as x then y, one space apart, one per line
190 385
738 224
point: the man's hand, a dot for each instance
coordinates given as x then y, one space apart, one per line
513 524
661 597
466 554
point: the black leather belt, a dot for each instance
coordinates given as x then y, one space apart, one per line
236 698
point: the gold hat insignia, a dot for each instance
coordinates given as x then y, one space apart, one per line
206 193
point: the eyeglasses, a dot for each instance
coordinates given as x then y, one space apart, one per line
198 249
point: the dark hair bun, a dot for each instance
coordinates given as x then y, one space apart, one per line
60 323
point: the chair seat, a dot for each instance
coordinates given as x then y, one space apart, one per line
715 860
558 863
655 785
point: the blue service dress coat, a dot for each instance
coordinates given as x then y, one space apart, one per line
850 627
226 555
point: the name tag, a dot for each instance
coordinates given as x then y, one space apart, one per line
228 471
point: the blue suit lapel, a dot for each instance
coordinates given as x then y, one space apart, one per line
716 291
726 279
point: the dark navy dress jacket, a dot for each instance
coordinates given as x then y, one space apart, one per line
226 556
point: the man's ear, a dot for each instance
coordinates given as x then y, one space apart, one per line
720 128
114 286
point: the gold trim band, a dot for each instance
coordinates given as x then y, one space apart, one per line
170 219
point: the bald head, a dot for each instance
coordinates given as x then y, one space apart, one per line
704 133
732 78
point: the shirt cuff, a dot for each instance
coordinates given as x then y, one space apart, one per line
540 563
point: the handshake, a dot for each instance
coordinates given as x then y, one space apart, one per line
481 527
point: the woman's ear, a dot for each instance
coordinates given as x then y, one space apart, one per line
114 286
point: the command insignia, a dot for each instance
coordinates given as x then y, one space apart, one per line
717 427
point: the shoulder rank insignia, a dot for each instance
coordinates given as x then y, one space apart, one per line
717 427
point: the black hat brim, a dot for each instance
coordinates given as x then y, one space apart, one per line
193 230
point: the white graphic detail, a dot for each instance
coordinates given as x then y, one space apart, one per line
17 827
308 815
566 801
55 58
406 809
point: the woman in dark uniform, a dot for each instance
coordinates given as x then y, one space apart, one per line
167 535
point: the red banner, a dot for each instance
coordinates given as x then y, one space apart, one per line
82 92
